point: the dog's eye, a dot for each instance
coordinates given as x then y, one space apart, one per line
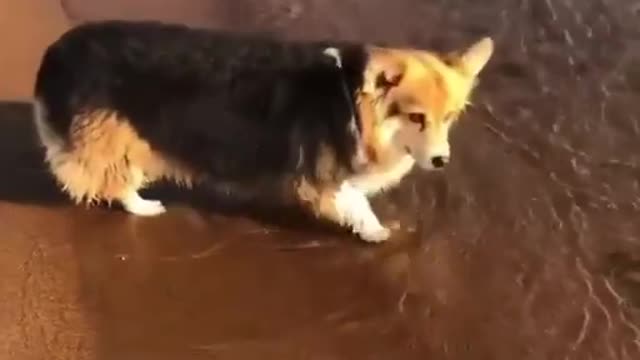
393 110
418 118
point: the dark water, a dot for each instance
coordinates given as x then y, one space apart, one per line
527 247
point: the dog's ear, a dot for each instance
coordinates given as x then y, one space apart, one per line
472 60
384 70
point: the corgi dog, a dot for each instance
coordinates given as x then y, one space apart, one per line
120 105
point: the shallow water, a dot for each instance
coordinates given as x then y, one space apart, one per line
526 247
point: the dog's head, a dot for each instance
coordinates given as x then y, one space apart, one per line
417 96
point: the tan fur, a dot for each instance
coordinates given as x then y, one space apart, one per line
104 158
368 122
399 82
437 86
319 199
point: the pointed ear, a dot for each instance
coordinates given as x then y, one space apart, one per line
474 59
384 70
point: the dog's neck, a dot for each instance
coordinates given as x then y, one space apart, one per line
366 116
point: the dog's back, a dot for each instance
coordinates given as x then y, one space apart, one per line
120 104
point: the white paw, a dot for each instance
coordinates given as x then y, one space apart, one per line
146 208
376 235
142 207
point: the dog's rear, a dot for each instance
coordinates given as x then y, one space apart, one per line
94 153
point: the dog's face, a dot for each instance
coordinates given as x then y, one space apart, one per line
419 95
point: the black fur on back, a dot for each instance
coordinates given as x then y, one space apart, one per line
234 106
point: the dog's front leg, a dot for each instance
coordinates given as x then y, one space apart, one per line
352 208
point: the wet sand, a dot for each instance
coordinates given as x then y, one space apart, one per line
526 247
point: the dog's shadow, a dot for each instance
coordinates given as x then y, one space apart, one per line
25 179
259 205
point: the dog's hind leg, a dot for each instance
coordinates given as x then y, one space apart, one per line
136 204
102 159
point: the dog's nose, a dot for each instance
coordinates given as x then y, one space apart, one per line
439 161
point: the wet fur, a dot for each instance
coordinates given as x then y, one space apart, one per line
120 105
